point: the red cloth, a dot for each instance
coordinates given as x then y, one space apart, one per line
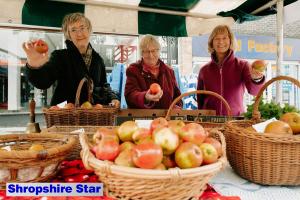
154 70
230 79
138 82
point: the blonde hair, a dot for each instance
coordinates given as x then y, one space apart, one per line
148 40
73 18
221 29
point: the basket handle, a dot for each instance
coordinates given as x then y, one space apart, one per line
90 86
255 112
199 92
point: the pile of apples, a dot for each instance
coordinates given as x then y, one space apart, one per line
165 144
289 123
85 105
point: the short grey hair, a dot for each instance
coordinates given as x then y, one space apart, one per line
148 40
73 18
221 29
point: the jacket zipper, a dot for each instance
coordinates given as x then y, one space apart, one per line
221 77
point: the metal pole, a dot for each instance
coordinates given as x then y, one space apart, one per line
279 39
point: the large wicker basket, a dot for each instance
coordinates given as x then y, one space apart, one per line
212 123
263 158
19 164
80 116
74 154
142 184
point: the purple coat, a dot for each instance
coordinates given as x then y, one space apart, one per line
229 79
138 82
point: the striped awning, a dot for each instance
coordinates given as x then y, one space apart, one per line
159 17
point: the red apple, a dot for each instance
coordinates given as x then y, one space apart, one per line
194 133
155 88
215 143
176 125
40 46
167 139
209 152
105 134
69 106
54 108
141 134
147 155
107 150
126 146
259 65
188 155
126 130
158 123
98 106
169 161
125 158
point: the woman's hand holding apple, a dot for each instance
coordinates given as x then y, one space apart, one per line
35 58
153 97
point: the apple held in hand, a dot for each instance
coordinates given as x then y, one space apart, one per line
293 119
155 88
147 155
259 65
167 139
210 154
188 155
40 46
126 130
194 133
107 150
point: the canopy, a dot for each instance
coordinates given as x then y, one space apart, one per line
159 17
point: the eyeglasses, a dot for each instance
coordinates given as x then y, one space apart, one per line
153 51
79 30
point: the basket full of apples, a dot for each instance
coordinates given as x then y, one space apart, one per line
270 156
70 114
159 160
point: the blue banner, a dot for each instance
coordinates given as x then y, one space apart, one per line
253 47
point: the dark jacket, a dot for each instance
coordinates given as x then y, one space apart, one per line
138 82
66 67
229 79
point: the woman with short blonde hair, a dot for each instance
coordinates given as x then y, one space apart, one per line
67 67
150 69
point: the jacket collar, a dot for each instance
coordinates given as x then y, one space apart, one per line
228 59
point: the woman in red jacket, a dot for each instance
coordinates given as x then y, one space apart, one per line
150 69
226 74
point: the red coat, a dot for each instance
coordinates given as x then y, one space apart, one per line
138 82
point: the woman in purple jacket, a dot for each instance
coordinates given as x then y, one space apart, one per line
226 74
150 69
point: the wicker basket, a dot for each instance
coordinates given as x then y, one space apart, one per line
204 124
74 154
23 165
263 158
143 184
79 116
